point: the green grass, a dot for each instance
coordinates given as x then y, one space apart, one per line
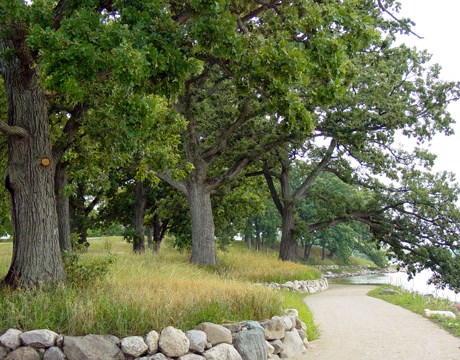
145 292
417 303
293 300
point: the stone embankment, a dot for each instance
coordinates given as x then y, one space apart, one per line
280 337
303 286
336 271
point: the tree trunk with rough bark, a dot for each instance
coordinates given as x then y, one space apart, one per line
62 207
139 214
30 173
203 247
288 245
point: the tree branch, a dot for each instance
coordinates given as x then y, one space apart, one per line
300 192
167 178
221 142
217 181
273 192
13 130
379 2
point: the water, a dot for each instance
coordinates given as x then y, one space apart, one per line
418 284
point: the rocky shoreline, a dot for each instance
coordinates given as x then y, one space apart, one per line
344 271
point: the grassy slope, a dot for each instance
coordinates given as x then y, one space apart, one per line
417 303
145 292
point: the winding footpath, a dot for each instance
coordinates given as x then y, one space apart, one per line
356 326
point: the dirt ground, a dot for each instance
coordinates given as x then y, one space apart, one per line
354 326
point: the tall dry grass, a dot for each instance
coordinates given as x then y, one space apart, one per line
145 292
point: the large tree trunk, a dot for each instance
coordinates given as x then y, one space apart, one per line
139 214
62 207
29 178
203 248
288 245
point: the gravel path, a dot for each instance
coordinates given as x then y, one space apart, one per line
356 326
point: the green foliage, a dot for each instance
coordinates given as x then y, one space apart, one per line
83 273
417 303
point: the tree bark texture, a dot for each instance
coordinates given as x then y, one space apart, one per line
30 174
203 247
288 245
62 208
139 214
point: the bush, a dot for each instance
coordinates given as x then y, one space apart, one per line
81 273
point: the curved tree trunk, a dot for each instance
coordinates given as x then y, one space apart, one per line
203 248
30 175
62 207
139 214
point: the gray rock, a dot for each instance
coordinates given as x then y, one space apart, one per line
134 346
60 341
191 357
251 345
91 347
3 352
253 325
302 334
271 349
300 325
54 353
39 338
151 340
277 345
292 345
198 340
388 292
288 325
23 353
216 334
234 328
274 329
11 339
158 356
222 352
173 342
273 357
292 312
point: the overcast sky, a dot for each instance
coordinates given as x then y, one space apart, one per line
437 23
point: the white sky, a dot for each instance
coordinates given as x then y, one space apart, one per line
437 23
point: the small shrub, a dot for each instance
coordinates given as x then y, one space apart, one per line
81 273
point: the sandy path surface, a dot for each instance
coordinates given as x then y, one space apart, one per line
354 326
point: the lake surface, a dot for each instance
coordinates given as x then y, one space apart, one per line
418 284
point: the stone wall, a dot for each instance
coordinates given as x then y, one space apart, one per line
280 337
303 286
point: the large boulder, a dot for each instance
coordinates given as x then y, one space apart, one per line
292 345
251 345
23 353
173 342
151 339
198 340
222 352
39 338
89 347
54 353
216 334
134 346
274 328
11 339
